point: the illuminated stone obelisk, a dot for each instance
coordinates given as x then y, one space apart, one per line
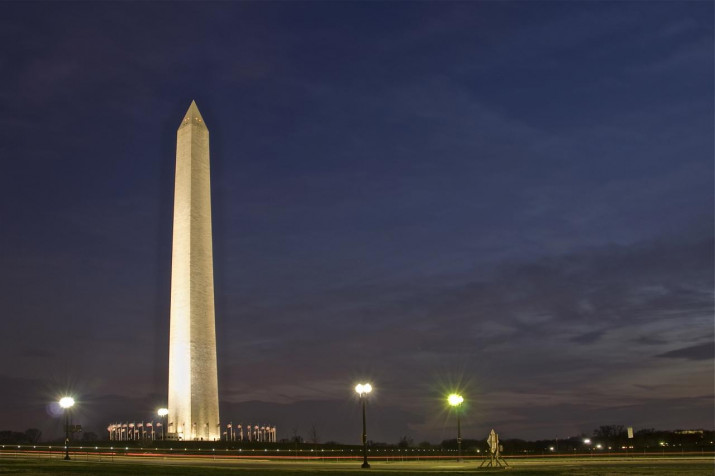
193 379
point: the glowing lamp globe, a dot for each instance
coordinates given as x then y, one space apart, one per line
66 402
363 388
455 399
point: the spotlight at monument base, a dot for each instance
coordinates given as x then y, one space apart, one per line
66 402
455 399
163 411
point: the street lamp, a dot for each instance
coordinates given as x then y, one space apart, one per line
362 390
162 413
456 400
66 403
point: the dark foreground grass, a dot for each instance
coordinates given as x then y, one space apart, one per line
24 467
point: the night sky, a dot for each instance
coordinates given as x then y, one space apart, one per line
509 199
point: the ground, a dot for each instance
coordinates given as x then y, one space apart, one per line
137 466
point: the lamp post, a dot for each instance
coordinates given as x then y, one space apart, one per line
456 401
363 389
162 413
66 403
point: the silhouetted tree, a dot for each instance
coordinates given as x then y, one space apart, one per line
609 431
8 436
33 435
405 442
313 435
611 434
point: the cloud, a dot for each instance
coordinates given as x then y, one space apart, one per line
471 206
556 328
588 337
704 351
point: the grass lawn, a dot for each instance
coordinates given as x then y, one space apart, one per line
30 467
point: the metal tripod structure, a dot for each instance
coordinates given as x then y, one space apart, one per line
494 459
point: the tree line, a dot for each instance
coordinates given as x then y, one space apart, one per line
607 438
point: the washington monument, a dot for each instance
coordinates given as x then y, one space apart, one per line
193 380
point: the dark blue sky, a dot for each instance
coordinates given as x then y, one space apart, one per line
513 199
